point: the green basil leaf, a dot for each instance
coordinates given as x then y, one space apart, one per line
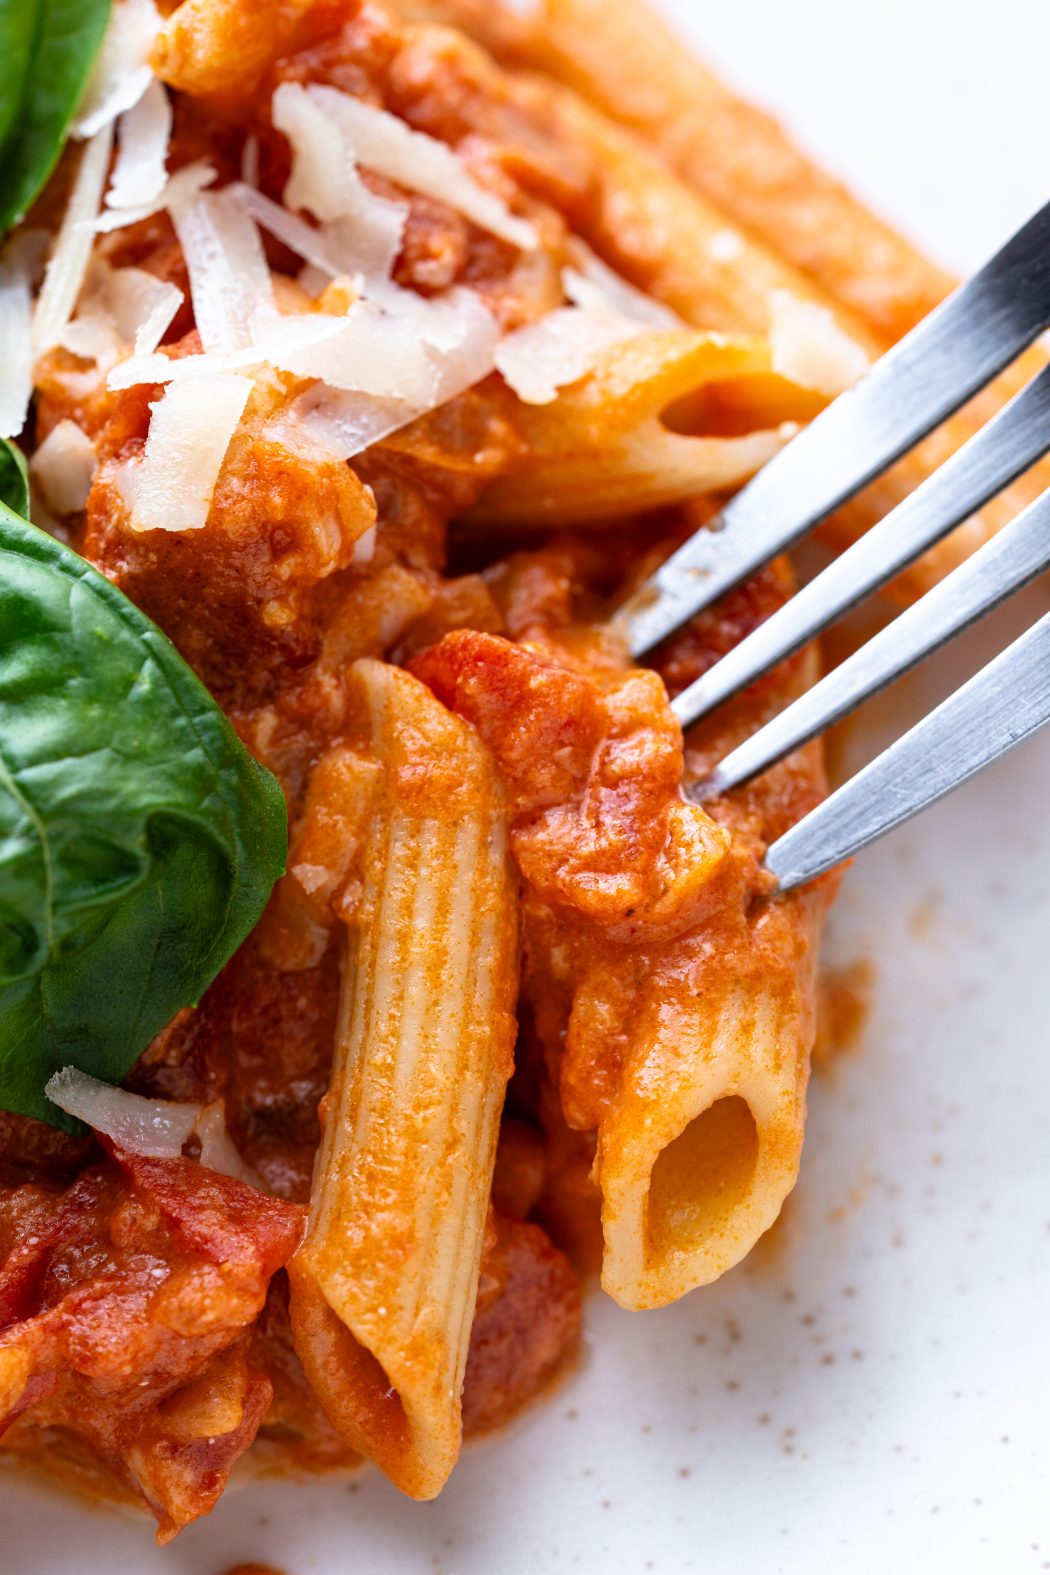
139 840
19 26
49 48
14 479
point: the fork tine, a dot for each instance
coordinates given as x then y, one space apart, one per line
979 329
1019 552
1003 705
1000 452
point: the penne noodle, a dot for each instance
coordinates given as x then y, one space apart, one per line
503 29
204 48
699 1138
645 222
626 60
670 240
601 451
383 1288
701 1144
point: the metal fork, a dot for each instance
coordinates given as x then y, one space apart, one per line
968 340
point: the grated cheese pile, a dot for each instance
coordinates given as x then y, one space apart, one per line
387 358
359 356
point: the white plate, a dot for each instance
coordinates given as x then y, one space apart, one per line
870 1392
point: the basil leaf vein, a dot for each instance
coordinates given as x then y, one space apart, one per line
139 840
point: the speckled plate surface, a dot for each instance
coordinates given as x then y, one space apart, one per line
870 1391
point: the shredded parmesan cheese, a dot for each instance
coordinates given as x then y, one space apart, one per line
560 349
16 356
396 347
119 308
178 191
459 342
279 343
566 344
160 314
229 278
382 142
139 305
171 486
363 232
72 249
156 1128
809 348
288 228
153 1128
217 1147
63 467
143 136
323 179
383 358
458 333
121 73
338 425
367 358
92 337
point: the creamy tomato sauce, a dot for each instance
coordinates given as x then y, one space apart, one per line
147 1298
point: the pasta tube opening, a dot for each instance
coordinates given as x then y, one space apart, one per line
701 1178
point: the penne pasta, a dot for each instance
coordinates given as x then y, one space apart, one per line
699 1138
700 1144
645 223
383 1288
738 156
602 451
665 236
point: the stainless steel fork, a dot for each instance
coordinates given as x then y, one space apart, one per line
974 335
